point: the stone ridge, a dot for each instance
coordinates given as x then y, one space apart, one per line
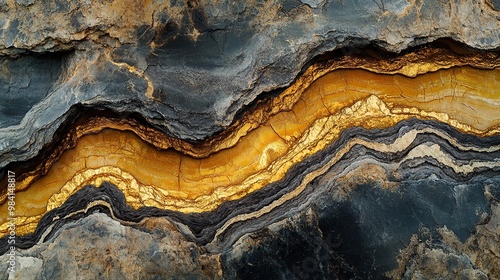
220 228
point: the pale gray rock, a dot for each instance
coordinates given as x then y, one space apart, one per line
98 247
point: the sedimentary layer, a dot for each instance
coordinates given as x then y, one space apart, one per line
335 102
427 170
231 140
159 59
273 111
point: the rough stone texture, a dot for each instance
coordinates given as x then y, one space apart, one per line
355 239
24 82
357 236
234 52
349 222
374 203
495 4
99 247
443 256
436 260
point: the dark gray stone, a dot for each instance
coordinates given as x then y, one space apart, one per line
207 62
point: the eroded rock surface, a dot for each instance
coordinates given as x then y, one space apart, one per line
241 140
189 68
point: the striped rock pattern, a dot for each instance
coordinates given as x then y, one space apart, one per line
270 140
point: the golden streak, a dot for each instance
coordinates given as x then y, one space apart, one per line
423 60
368 113
263 145
136 71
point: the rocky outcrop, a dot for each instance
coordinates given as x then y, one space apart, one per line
230 140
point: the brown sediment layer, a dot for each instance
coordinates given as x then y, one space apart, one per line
265 142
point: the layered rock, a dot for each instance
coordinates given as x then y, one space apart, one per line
159 58
276 140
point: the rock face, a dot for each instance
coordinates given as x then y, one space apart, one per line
190 68
230 140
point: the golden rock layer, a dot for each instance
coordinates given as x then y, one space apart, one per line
423 60
261 146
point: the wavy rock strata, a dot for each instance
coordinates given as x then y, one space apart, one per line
271 140
356 195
